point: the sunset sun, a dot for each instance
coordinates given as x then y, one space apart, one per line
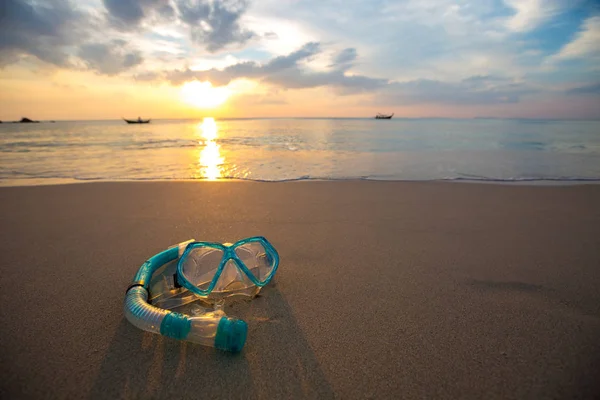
203 94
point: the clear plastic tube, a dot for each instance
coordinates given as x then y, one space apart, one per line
210 329
140 313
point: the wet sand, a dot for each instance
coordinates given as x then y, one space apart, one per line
385 290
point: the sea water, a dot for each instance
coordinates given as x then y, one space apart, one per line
298 149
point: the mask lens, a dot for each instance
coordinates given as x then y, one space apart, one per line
200 265
257 259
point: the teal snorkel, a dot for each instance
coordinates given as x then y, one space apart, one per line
205 271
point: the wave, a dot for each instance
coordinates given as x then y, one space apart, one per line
24 176
532 179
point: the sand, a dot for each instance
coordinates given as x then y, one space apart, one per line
385 290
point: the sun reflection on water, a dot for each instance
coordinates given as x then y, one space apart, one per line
210 160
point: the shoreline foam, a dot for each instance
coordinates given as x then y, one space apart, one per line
34 181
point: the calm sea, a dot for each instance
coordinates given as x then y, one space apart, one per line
293 149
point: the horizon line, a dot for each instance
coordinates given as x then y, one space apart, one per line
314 117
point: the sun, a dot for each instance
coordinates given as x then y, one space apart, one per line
203 94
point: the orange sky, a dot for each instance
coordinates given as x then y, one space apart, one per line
66 95
92 59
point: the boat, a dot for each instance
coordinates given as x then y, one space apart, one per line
383 116
137 121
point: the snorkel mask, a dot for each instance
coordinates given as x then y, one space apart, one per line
205 271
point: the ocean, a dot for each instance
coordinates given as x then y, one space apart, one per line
300 149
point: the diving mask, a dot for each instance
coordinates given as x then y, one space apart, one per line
205 271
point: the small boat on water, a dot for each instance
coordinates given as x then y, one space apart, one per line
383 116
137 121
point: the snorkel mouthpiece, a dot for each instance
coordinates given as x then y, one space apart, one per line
231 334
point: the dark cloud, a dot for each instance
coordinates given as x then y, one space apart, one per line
292 59
588 89
132 59
473 90
166 11
193 12
129 11
344 58
54 31
128 14
214 24
283 71
41 29
109 58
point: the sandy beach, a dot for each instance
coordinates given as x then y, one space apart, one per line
385 290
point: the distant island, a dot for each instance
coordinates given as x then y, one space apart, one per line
26 120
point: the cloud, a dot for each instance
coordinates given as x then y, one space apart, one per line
412 51
471 91
246 69
128 11
530 13
409 39
39 29
345 58
215 24
296 78
291 60
585 44
593 89
212 24
57 32
283 71
289 72
109 58
54 31
438 39
128 14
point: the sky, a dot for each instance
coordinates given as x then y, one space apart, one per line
106 59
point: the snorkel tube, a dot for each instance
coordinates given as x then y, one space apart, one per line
210 329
